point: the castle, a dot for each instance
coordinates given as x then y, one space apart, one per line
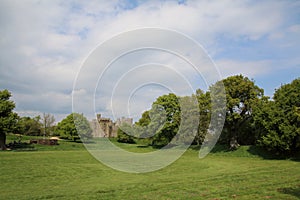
105 127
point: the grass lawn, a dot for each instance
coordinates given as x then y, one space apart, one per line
68 171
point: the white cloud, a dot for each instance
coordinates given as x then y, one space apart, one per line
247 68
43 43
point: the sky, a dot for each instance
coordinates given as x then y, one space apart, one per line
46 44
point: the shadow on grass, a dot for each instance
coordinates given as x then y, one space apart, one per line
143 146
81 141
263 153
21 146
160 146
294 191
249 151
217 148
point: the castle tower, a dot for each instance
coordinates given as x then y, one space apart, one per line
105 127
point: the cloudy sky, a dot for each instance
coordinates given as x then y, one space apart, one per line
44 45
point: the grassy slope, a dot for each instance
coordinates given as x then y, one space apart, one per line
74 174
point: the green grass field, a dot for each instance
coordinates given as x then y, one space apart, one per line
68 171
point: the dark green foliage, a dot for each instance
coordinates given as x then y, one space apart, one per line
160 124
241 96
279 120
144 120
73 126
170 104
66 128
204 103
123 137
8 119
189 124
251 118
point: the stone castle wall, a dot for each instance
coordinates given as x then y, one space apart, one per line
105 127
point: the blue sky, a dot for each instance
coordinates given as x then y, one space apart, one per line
44 44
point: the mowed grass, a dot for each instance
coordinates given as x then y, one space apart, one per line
68 171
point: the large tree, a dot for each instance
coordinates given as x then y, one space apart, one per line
73 126
8 118
171 106
169 114
161 123
278 121
241 96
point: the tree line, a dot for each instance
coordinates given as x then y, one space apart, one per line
251 118
43 125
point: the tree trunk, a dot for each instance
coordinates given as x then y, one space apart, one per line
233 143
233 140
2 141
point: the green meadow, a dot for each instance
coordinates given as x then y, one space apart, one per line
68 171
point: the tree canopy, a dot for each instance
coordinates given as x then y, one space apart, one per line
8 119
170 104
73 126
278 121
204 104
250 118
30 126
241 96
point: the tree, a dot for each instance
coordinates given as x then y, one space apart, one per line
171 109
66 128
187 118
8 118
83 127
73 126
144 120
161 123
29 126
48 123
204 104
241 95
278 121
144 130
